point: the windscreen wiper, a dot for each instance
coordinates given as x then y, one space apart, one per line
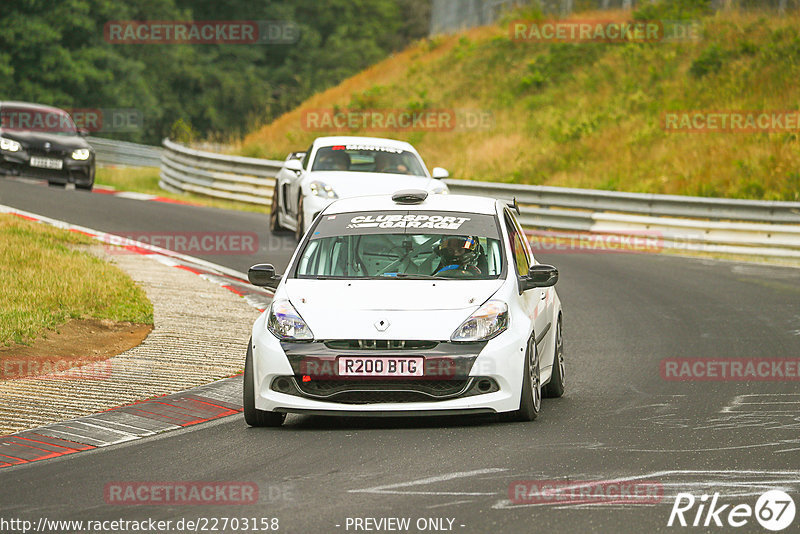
411 276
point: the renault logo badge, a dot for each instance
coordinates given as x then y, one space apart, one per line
382 325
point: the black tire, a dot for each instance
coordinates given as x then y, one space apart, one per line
56 185
555 388
252 415
530 403
87 187
299 231
274 221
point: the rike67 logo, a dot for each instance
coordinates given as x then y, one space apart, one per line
774 510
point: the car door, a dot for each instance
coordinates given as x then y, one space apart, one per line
534 301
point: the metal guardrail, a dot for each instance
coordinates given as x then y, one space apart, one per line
110 152
751 227
248 180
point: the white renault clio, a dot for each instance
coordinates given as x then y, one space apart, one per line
409 304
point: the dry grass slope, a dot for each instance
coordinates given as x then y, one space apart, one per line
588 115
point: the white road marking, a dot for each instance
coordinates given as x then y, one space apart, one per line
783 401
711 449
744 483
392 488
448 504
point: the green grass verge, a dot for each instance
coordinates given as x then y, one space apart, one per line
145 180
44 282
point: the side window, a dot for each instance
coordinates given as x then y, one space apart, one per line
307 157
518 247
526 243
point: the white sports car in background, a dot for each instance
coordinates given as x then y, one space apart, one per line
341 167
410 304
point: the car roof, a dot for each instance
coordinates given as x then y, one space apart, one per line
353 140
382 203
29 105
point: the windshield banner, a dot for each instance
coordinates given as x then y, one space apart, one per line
406 222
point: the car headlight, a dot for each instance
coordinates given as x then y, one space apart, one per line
9 145
286 324
82 154
488 321
322 189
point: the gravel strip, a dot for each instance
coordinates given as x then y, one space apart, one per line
200 335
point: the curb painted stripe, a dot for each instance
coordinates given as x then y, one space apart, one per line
144 418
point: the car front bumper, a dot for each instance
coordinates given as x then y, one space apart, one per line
312 206
499 361
72 171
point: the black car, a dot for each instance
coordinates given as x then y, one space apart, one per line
43 142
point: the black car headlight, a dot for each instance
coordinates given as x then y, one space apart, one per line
82 154
9 145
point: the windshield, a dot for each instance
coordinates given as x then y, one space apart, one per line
367 158
27 119
403 245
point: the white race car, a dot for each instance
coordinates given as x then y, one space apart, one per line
410 304
341 167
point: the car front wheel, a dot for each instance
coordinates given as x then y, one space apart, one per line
252 415
274 219
555 388
531 399
301 223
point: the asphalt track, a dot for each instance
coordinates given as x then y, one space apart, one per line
619 419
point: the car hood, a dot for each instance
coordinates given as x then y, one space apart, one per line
38 139
414 309
352 184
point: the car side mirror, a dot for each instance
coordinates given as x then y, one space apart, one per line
540 276
83 132
439 173
294 165
263 275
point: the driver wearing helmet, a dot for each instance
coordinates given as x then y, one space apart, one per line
459 256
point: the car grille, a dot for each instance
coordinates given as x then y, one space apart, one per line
370 391
372 397
380 344
44 174
36 151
